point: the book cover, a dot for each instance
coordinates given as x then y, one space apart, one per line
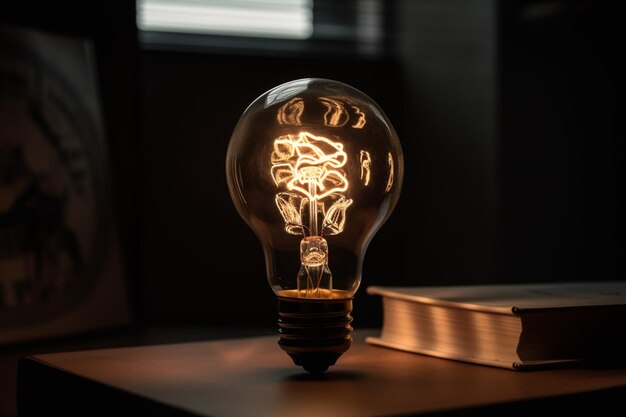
515 326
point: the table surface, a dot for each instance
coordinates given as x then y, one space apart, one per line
253 376
110 338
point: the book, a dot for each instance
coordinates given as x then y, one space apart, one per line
514 326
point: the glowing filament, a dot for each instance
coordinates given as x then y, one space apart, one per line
310 165
390 179
361 122
291 112
366 164
336 114
314 275
296 212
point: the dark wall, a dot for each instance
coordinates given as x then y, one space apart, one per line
448 52
561 141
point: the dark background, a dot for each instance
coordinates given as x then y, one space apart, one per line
510 114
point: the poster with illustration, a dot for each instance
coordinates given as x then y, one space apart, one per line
60 265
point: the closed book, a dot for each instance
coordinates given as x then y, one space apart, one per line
515 326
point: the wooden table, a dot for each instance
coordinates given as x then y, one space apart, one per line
253 377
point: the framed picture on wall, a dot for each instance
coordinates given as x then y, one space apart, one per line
60 261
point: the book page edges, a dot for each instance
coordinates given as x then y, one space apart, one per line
519 298
510 310
517 365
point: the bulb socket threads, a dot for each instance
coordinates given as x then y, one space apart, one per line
315 332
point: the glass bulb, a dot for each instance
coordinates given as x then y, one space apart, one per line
315 168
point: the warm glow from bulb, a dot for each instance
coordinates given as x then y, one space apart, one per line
291 112
335 115
332 294
366 164
390 179
310 165
361 122
315 168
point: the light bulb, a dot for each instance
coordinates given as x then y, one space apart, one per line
315 168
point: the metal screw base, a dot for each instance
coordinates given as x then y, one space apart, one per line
315 332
